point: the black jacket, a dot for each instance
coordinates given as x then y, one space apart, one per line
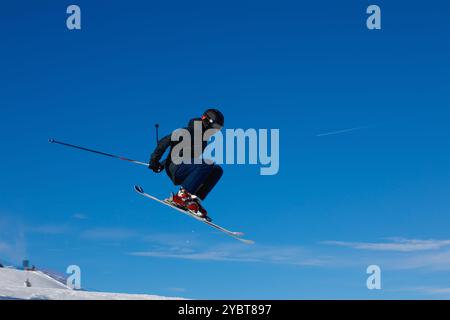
167 142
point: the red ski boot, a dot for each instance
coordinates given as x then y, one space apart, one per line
200 207
192 203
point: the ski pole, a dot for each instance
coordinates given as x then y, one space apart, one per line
157 133
97 152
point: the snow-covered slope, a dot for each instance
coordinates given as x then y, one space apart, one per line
12 286
14 277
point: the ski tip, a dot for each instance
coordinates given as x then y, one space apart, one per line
247 241
51 140
138 189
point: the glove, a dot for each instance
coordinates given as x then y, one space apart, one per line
155 166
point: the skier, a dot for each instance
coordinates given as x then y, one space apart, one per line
196 180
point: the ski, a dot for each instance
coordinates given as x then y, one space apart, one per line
234 234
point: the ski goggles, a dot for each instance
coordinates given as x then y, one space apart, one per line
211 123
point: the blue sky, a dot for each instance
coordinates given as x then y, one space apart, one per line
364 145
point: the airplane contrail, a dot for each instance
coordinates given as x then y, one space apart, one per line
341 131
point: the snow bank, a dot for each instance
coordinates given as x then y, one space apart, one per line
43 287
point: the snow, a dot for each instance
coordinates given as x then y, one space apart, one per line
43 287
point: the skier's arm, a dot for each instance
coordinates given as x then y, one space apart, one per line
161 148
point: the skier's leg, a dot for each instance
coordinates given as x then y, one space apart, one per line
209 182
197 181
181 172
184 175
194 176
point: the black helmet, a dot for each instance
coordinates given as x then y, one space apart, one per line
213 118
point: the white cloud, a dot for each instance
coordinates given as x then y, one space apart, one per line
432 260
396 254
109 234
293 255
48 229
80 216
172 239
394 244
436 292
